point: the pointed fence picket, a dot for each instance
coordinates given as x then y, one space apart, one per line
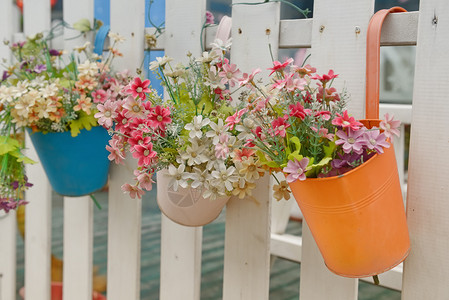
336 37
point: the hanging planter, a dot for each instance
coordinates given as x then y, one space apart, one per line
75 166
361 227
187 206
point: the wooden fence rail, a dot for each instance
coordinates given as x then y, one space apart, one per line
336 37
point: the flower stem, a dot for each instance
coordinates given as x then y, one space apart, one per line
376 280
95 201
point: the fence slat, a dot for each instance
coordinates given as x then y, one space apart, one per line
8 255
78 211
427 268
338 43
124 223
247 237
78 246
181 246
38 211
7 221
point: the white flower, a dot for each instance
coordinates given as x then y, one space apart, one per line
87 68
195 127
199 177
6 94
116 37
207 57
217 129
49 90
194 154
212 191
160 62
221 45
246 129
179 177
225 176
213 80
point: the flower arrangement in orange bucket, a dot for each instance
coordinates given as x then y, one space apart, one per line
341 171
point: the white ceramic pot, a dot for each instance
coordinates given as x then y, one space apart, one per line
187 206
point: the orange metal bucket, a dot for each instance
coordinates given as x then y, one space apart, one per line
358 219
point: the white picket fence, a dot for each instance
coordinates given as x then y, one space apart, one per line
337 38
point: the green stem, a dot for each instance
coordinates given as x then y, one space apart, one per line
95 201
376 280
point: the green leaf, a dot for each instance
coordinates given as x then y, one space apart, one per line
22 158
84 121
263 160
8 144
82 25
315 168
330 149
295 154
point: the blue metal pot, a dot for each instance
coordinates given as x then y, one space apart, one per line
75 166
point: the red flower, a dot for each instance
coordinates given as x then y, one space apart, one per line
326 77
139 88
297 110
280 125
159 117
347 122
144 153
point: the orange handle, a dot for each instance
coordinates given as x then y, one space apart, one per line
373 60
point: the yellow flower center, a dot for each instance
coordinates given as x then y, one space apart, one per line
159 118
136 108
139 89
252 168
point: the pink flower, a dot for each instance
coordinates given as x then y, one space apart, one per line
222 149
277 66
133 190
326 77
329 95
99 96
134 108
145 181
325 115
345 121
376 140
107 113
390 126
352 141
229 74
139 88
280 125
209 18
296 169
159 117
117 150
293 84
247 78
303 71
243 153
231 121
144 154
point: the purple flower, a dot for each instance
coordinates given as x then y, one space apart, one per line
209 18
40 68
296 169
7 204
353 141
376 140
54 52
5 75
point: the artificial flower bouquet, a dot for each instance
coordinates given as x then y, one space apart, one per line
190 133
341 171
299 125
48 91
